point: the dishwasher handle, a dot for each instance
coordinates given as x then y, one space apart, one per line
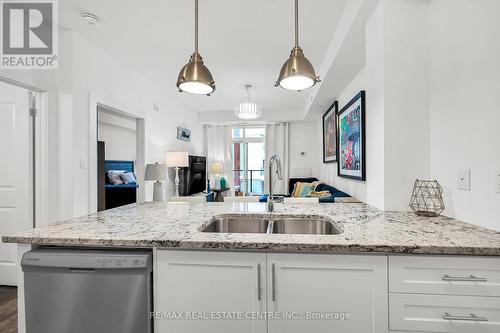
81 270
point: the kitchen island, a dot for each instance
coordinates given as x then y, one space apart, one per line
385 271
177 225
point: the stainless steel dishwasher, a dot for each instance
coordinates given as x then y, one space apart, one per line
87 291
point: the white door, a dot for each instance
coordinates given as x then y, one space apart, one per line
16 176
211 292
327 293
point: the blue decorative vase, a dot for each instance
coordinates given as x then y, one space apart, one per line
222 182
208 186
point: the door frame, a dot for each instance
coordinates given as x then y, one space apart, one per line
40 152
140 117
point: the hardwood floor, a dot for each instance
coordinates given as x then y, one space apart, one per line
8 309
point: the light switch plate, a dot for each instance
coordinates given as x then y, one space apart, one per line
83 164
497 182
463 179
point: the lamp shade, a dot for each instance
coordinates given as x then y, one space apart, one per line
195 78
155 172
216 168
177 159
297 72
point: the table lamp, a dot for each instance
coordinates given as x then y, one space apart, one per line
156 172
177 160
216 169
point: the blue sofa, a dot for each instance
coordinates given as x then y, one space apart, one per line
334 192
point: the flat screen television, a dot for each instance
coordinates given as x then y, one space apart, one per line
193 179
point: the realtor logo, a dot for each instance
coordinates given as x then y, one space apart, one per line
29 34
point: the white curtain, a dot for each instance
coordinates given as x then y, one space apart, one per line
277 143
219 149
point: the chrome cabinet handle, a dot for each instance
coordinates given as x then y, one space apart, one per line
273 282
258 281
470 278
472 317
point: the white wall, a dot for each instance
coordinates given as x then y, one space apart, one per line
100 74
406 102
375 102
395 77
87 70
303 139
465 113
118 134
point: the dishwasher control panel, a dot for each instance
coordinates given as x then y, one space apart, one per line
121 262
87 259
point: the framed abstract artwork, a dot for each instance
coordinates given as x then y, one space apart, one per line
183 134
330 134
351 139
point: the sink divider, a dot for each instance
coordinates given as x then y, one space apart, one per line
270 227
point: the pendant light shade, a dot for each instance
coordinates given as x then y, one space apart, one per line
248 110
297 72
194 77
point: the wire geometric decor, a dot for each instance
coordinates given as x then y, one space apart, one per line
427 199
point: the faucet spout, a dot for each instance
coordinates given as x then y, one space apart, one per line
274 159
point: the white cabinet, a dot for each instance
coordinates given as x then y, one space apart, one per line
275 293
445 294
330 293
203 291
245 292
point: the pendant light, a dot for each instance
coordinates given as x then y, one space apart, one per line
195 78
297 72
248 110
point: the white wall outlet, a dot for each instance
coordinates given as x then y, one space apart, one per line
497 182
83 164
463 179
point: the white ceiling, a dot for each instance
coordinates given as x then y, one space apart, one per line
240 41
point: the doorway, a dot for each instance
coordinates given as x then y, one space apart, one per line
120 149
18 109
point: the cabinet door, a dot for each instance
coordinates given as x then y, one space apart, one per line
327 293
211 292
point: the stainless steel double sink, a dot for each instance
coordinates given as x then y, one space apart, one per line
268 224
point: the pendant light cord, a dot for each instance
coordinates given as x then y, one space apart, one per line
296 23
196 26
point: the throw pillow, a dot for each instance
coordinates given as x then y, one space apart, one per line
305 189
128 178
296 192
318 194
117 171
115 179
297 189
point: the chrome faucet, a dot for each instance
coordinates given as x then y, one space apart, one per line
270 200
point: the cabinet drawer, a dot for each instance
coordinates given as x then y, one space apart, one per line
474 276
444 314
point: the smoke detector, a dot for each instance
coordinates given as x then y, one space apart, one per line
91 19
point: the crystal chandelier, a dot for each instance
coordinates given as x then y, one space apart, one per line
248 110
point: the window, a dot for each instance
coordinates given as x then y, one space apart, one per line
248 160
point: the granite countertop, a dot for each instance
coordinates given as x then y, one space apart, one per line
176 225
